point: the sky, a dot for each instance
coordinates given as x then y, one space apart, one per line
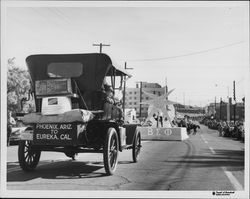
198 48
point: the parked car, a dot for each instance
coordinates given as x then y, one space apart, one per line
15 135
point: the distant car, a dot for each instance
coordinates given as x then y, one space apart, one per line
15 135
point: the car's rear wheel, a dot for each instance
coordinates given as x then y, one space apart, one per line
27 156
110 151
71 154
136 147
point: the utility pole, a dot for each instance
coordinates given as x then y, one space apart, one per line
215 107
101 45
220 107
184 98
124 90
166 86
140 96
166 91
228 105
234 98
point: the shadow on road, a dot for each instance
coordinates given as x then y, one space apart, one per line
233 159
58 170
119 162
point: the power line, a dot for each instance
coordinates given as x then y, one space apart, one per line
187 54
62 15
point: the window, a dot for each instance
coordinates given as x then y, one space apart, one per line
130 98
130 93
135 103
135 98
53 86
135 92
130 103
65 69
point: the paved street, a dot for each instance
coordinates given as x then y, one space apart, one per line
203 162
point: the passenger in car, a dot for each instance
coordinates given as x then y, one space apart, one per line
109 98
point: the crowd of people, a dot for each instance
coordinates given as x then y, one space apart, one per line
226 128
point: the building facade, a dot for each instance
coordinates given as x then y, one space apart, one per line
135 95
186 109
219 110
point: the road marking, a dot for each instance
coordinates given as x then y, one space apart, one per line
211 149
232 179
204 139
229 174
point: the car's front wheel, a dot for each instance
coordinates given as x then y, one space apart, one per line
136 147
110 151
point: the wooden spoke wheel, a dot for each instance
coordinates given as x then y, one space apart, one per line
110 151
136 147
27 156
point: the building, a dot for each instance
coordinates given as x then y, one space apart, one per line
219 110
132 100
186 109
135 95
130 116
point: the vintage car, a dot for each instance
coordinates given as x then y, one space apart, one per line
72 115
15 135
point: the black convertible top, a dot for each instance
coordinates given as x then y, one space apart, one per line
95 67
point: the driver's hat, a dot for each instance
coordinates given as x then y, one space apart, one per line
108 88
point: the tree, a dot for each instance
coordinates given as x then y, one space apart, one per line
18 86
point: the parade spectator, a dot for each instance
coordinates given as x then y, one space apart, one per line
174 122
182 123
